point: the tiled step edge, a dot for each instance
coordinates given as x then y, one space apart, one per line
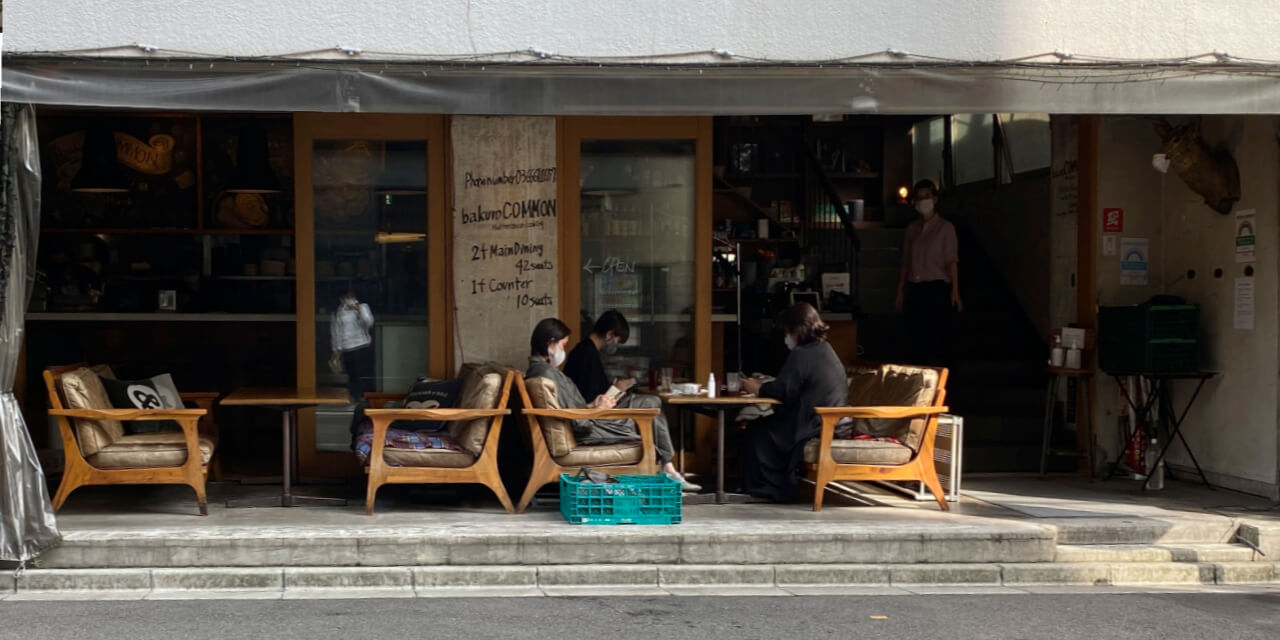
1156 553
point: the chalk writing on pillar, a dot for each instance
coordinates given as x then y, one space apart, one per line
504 225
611 264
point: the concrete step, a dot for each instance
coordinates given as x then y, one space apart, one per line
550 542
1153 529
661 579
1112 553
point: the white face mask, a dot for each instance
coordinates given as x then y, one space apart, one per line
791 342
925 207
557 357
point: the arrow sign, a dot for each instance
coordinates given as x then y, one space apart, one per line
589 267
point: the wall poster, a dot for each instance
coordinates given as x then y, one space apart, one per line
1135 256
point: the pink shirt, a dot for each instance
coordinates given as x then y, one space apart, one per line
929 250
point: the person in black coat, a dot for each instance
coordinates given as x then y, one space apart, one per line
812 376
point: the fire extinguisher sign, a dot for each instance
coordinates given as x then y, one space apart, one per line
1113 220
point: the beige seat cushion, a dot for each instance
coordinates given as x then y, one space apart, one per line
160 449
872 452
481 388
558 433
82 389
603 455
440 458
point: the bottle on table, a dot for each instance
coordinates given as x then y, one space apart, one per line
1155 472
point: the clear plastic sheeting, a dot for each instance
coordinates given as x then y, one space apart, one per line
27 526
545 89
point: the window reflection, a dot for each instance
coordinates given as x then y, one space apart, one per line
638 249
370 202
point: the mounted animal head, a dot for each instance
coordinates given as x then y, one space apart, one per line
1212 175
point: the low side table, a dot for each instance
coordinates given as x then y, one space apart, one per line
287 402
716 407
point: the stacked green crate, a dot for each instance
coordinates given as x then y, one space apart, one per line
1149 338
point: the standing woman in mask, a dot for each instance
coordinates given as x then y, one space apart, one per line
547 352
929 281
812 376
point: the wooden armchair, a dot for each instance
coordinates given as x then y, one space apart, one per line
899 402
98 452
556 451
438 466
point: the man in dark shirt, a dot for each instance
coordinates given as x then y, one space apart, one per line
585 364
585 367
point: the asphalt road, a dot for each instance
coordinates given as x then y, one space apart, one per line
1163 617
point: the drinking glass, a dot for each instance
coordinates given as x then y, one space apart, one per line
666 379
731 383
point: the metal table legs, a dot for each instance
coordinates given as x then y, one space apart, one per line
1171 425
289 433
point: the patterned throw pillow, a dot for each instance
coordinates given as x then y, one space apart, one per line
402 439
140 394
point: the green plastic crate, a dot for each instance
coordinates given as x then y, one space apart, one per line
1149 338
1150 322
631 500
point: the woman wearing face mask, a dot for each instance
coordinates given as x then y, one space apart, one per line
811 376
929 281
547 346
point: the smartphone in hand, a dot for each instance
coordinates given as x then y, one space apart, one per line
614 393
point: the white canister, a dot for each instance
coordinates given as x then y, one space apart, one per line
1057 356
1073 358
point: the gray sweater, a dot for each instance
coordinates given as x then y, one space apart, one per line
587 432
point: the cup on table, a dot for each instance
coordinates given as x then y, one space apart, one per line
1057 357
665 378
731 383
1073 358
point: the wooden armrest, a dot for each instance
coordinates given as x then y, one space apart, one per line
880 412
445 415
592 414
199 395
129 414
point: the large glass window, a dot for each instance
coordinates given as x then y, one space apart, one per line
370 202
1028 137
928 142
971 147
638 249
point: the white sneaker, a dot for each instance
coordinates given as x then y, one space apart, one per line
685 485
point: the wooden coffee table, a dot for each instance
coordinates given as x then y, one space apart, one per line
716 407
287 402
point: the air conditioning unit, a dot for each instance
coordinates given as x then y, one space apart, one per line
947 457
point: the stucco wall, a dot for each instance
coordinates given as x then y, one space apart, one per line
1233 426
817 29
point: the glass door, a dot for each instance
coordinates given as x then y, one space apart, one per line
370 216
637 239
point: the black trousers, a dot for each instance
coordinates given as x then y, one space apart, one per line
771 458
359 366
930 321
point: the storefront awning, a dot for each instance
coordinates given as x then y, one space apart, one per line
538 89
